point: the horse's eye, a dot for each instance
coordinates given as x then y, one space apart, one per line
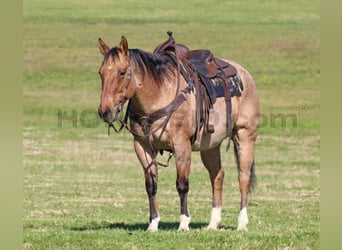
122 73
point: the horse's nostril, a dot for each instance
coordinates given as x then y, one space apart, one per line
106 116
100 113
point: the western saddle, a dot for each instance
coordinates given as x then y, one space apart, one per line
208 77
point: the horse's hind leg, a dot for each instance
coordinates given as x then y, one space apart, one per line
212 161
244 139
151 180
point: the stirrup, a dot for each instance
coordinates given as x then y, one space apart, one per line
211 127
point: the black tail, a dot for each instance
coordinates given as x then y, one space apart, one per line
253 180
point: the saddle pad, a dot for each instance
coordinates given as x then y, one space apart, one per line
214 87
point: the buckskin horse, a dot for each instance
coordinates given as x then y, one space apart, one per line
168 110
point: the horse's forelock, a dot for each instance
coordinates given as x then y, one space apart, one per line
111 53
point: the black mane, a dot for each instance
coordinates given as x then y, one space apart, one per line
156 66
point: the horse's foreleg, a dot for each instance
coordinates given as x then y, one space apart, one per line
183 161
244 152
151 181
212 161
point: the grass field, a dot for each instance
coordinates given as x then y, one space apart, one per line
85 190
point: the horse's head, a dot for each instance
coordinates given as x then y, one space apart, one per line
115 73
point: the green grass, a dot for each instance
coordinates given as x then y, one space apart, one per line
85 190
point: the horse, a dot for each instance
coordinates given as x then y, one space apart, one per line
150 83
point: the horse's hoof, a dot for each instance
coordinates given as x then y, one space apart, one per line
151 230
242 228
243 220
184 223
215 219
183 229
153 227
211 228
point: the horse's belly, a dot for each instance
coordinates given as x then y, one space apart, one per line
210 140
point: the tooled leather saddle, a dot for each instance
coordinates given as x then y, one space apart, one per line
211 70
210 78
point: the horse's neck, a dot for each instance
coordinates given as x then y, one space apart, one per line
150 97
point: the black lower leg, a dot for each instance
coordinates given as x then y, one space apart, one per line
183 189
151 189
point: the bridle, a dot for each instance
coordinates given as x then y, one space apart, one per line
122 102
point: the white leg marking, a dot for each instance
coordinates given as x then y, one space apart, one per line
153 227
184 223
215 219
243 220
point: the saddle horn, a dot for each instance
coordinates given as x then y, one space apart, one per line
170 35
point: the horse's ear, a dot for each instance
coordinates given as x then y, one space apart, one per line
124 45
103 47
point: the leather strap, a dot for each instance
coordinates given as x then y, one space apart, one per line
146 121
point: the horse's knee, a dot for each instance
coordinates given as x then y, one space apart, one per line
182 186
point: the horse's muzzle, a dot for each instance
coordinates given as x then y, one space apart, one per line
109 115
